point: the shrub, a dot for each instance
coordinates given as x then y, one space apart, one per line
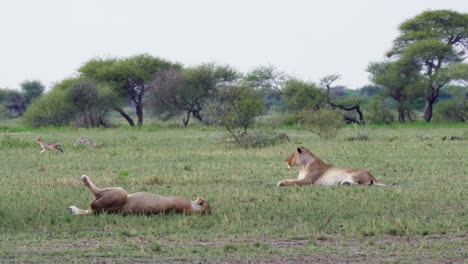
298 95
51 109
323 122
290 119
450 110
377 112
257 139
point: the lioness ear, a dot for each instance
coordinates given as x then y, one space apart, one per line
299 150
199 200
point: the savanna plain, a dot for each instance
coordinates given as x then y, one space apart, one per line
422 219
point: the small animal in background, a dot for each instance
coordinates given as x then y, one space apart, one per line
48 145
84 141
117 200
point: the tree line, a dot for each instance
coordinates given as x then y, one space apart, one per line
424 66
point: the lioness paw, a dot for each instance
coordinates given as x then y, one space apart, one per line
73 210
281 183
85 179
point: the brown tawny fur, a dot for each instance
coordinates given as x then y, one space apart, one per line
117 200
48 145
313 170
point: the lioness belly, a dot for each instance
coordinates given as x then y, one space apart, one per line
148 203
334 176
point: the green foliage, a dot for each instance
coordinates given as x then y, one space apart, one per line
431 42
299 95
446 25
401 81
452 110
459 72
377 112
51 109
324 122
91 102
72 101
14 103
129 77
5 95
176 91
32 89
269 81
237 107
290 118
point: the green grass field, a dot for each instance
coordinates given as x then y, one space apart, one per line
422 219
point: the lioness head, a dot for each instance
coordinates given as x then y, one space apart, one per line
298 157
206 208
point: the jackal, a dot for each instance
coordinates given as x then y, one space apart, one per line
48 145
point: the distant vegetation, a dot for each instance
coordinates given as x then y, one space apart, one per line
424 77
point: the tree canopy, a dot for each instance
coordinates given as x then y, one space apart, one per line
129 77
188 90
432 41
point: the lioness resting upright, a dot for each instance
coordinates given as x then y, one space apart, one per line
117 200
312 170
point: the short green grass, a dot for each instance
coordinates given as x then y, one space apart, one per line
422 219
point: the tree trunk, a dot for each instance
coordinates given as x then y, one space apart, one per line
127 117
401 113
139 112
428 110
197 115
361 117
401 116
185 121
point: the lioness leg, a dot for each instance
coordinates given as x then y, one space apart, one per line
364 177
110 200
77 211
294 181
91 187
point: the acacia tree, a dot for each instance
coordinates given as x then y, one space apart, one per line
401 81
187 90
432 40
92 103
268 81
32 89
299 95
17 102
237 107
326 82
129 77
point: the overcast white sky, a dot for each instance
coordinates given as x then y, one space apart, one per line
48 40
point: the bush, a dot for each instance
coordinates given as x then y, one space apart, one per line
290 119
51 109
257 139
377 113
450 110
91 102
323 122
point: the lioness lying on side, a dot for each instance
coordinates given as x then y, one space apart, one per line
312 170
117 200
